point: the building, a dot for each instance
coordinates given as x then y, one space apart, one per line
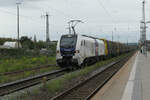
9 45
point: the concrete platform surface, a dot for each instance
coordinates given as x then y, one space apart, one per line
132 82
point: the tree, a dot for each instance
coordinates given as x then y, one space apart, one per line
41 44
26 42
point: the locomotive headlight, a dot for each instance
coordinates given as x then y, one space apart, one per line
77 51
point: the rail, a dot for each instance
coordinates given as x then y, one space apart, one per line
28 82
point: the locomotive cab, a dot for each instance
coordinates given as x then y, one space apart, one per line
66 50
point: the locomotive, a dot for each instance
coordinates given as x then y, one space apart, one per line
79 50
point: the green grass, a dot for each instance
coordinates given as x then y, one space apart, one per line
5 79
8 65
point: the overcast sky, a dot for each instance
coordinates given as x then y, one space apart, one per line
100 18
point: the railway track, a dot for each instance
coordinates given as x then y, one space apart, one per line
8 88
88 88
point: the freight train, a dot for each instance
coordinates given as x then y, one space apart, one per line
80 50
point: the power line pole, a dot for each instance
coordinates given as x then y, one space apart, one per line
34 42
143 10
35 38
128 35
112 36
115 29
118 38
47 28
127 42
18 19
143 30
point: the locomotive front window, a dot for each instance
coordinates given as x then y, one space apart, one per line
68 41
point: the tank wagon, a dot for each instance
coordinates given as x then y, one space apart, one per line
79 50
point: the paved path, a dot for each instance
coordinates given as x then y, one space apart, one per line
132 82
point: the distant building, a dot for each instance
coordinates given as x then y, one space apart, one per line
9 45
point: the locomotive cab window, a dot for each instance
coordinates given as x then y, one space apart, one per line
68 41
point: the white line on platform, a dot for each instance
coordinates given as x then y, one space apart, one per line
127 95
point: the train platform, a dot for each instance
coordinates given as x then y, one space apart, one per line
132 82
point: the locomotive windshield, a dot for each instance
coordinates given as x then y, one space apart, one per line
68 41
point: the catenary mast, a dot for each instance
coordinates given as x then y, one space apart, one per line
143 30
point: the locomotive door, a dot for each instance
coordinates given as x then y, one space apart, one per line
83 53
96 48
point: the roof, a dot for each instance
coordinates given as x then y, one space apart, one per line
11 44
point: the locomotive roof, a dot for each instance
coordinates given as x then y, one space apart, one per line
92 37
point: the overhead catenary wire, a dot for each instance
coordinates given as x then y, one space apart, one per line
108 14
13 13
31 18
57 10
70 16
106 11
67 16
